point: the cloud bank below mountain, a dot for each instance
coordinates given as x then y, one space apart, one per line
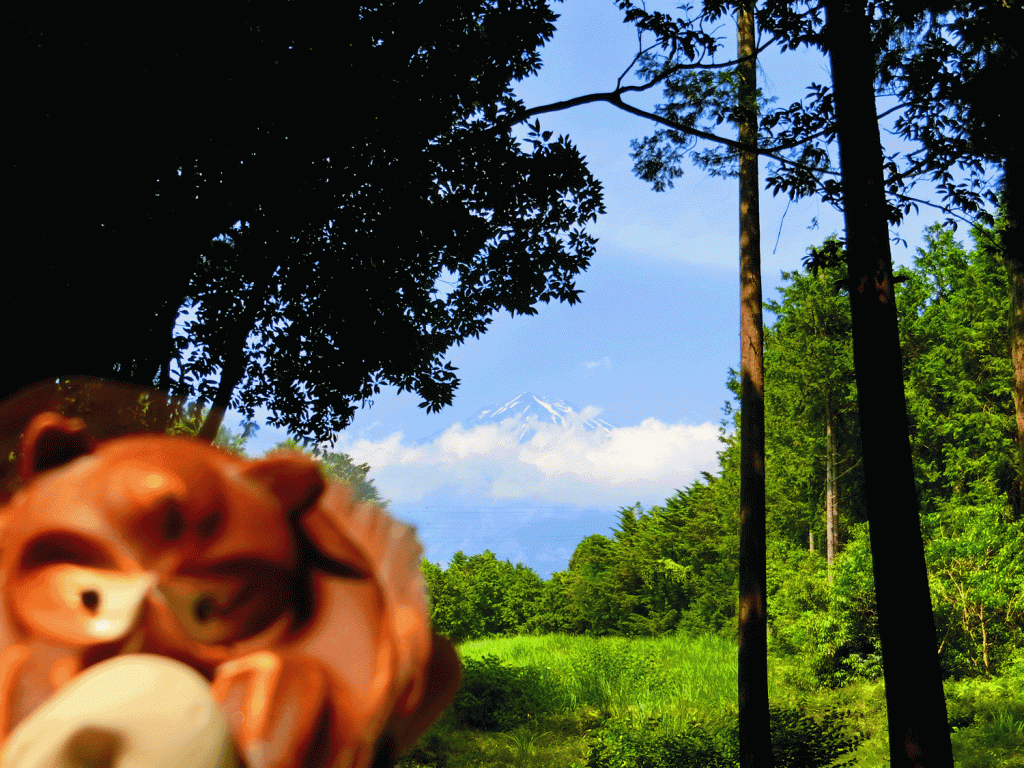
556 464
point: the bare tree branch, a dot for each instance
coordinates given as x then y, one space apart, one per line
615 99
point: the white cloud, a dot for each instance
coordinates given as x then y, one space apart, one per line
604 362
621 466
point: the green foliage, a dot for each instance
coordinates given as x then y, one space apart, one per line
799 740
954 307
954 319
809 384
987 721
667 569
621 743
191 419
496 697
832 629
947 71
340 467
945 63
482 596
701 99
695 568
556 612
976 559
596 600
798 595
954 331
848 644
609 674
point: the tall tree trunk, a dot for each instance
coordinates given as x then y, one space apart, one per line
831 485
755 734
918 729
1013 256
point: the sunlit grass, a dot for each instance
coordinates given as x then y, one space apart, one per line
989 722
677 679
683 681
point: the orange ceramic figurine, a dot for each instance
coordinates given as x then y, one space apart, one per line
258 613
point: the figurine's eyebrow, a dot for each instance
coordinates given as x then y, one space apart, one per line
340 569
343 568
65 547
327 548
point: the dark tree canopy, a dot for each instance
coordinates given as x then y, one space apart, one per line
323 185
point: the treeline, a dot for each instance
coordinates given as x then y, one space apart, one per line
674 567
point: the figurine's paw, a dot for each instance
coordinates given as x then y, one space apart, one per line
276 707
134 711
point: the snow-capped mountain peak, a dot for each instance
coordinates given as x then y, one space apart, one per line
527 411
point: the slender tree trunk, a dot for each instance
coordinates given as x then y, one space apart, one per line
755 735
918 729
831 486
251 303
230 376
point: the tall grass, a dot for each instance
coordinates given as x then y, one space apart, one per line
579 690
677 679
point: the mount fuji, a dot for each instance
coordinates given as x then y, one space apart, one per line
524 413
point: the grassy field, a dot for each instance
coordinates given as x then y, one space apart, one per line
561 702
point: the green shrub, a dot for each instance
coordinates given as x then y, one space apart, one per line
495 697
831 628
975 560
620 743
848 647
797 597
799 740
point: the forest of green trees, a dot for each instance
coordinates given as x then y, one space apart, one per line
674 566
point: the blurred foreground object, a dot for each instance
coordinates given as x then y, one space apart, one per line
135 711
305 611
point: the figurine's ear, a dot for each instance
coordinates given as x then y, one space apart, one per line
291 477
49 441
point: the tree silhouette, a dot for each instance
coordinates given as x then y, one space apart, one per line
329 190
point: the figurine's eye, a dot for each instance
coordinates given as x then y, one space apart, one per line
209 525
204 608
91 600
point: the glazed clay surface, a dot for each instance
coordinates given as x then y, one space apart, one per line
304 611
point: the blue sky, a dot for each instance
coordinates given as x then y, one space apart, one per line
649 346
